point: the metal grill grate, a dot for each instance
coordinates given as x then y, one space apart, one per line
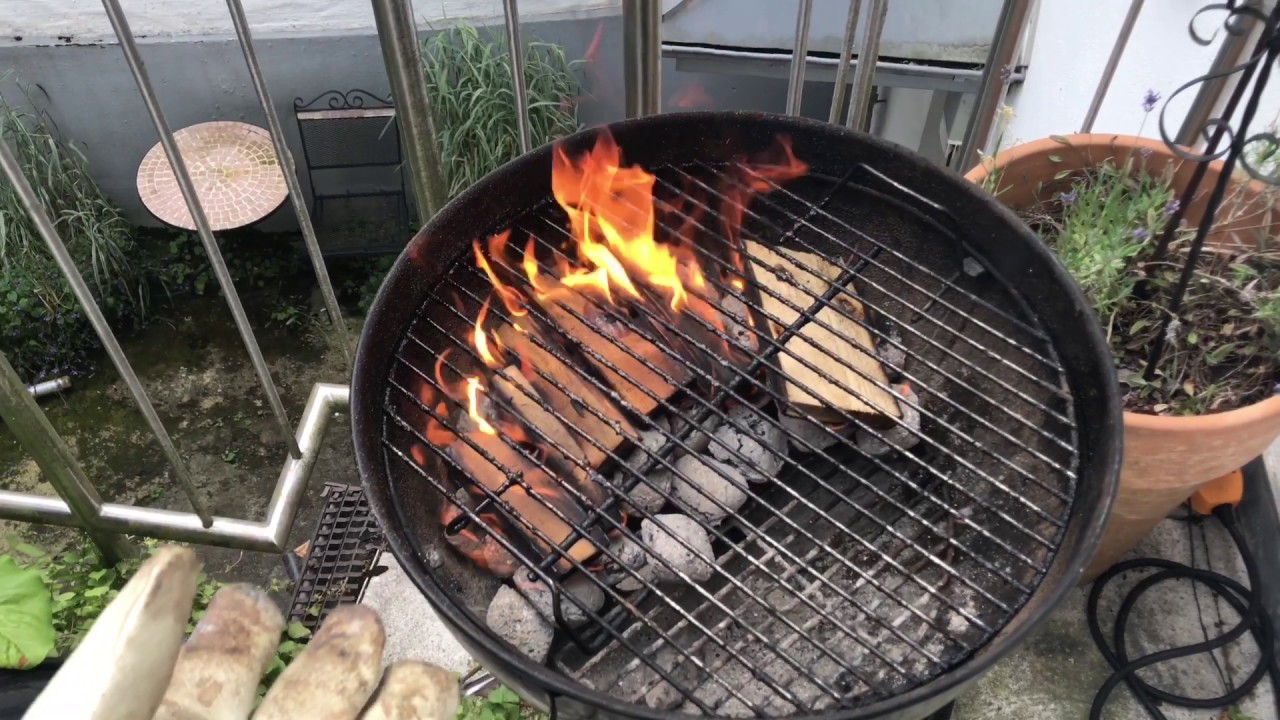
847 576
339 557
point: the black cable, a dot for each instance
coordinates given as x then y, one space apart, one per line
1245 600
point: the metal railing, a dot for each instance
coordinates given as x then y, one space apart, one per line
79 504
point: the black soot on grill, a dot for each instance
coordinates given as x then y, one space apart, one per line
707 447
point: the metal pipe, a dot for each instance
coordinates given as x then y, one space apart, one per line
512 14
846 55
799 54
1108 72
864 76
399 38
80 501
49 387
44 226
1013 19
642 56
1233 51
241 24
269 535
179 165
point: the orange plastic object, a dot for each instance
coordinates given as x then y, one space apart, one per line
1225 490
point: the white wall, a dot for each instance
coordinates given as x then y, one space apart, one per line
1072 41
42 22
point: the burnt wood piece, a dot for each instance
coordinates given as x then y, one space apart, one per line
571 395
536 507
640 387
798 277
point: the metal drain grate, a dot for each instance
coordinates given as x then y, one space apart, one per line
342 552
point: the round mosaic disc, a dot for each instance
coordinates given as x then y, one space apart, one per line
233 167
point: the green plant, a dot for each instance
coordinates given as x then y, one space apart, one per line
26 617
42 329
501 704
78 588
469 84
230 457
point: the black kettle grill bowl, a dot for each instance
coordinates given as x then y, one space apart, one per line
903 198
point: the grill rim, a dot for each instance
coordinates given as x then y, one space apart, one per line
390 317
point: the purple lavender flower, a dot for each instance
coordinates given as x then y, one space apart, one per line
1145 153
1067 198
1172 207
1149 100
1141 233
1006 73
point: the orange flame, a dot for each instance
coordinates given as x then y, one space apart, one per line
692 97
480 338
611 217
474 388
511 297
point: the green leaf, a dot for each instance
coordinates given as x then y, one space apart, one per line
287 648
1055 158
96 591
1061 140
1061 174
29 550
26 617
297 631
503 695
1193 337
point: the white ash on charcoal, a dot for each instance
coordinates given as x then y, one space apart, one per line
658 694
759 451
808 436
648 497
516 620
737 327
584 589
892 356
699 439
709 487
902 436
692 557
629 555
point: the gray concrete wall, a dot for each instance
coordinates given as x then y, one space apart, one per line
95 102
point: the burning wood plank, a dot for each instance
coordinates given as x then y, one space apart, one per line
536 508
640 387
609 431
798 277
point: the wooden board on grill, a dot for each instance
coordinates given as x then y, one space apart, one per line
789 273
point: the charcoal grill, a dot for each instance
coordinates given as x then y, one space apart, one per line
873 569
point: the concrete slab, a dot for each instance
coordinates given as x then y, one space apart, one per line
1056 673
414 631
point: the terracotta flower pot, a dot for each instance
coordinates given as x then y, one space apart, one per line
1166 459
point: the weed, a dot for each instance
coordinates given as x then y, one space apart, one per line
42 328
469 84
501 704
230 457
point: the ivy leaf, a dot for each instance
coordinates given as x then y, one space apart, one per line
504 696
26 617
297 630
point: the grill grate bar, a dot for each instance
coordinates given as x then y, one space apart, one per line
517 553
886 338
881 335
935 297
776 347
745 487
618 526
710 409
947 284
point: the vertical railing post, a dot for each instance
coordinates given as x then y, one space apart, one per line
24 419
642 56
133 59
10 168
1013 18
399 38
1109 72
512 13
285 157
846 54
799 57
868 55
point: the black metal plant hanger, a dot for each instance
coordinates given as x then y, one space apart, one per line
1240 20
